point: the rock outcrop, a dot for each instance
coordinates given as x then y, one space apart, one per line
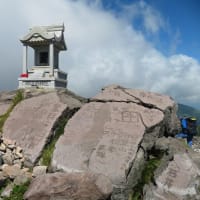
107 148
73 186
112 134
179 178
33 121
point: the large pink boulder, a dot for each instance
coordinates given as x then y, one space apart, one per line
104 136
33 120
180 180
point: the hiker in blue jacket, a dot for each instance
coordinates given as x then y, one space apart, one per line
188 125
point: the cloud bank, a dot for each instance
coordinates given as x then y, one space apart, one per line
103 48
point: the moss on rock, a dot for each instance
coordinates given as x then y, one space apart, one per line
147 176
48 151
18 191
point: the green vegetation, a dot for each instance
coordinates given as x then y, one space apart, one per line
18 192
48 151
147 176
18 97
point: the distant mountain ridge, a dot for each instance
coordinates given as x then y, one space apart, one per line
184 110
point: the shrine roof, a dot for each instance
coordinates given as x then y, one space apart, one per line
50 34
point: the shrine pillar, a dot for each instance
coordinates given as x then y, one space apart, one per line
25 56
51 57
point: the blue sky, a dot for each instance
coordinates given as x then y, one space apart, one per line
147 44
182 16
181 24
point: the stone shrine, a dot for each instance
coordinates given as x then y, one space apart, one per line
47 42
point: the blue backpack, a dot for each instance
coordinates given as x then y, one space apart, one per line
189 125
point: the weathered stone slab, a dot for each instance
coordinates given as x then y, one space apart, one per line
104 138
71 186
178 180
30 123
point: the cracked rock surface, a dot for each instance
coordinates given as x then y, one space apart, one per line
107 133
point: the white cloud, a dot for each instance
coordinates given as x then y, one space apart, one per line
176 40
153 22
151 19
102 49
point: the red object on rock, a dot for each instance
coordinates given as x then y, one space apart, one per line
24 75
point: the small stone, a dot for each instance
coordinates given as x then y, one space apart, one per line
12 171
4 165
28 163
22 160
8 157
18 155
28 174
18 162
25 169
7 191
11 146
39 170
3 147
21 179
8 142
19 150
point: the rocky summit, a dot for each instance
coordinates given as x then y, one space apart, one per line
118 145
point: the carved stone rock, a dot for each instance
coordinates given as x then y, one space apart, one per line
104 135
33 121
180 180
